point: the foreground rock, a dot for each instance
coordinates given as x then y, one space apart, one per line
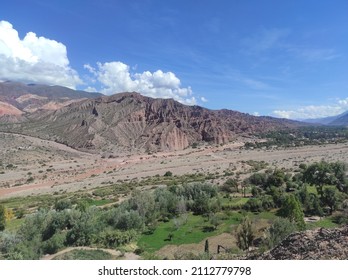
319 244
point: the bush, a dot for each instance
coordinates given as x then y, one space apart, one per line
168 174
280 229
54 244
116 238
62 204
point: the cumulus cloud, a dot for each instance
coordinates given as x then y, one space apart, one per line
313 112
34 59
42 60
116 77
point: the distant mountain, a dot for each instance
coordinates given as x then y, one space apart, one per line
130 122
341 119
18 98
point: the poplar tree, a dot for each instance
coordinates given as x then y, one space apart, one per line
292 210
2 217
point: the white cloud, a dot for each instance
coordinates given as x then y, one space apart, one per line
41 60
116 77
34 59
203 99
343 102
313 112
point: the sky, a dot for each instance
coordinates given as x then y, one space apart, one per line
285 59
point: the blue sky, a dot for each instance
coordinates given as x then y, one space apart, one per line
279 58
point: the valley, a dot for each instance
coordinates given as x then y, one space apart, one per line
132 177
55 167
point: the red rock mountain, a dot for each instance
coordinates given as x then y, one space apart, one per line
16 99
130 122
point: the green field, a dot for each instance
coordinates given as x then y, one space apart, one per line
196 229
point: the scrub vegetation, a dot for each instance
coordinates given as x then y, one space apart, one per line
257 212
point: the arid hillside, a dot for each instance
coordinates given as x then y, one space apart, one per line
318 244
18 99
132 123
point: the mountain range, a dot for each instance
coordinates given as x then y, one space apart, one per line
16 99
339 120
124 122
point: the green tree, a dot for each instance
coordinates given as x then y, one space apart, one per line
292 210
206 247
230 186
330 198
320 174
310 202
313 207
245 234
2 217
276 179
280 229
214 220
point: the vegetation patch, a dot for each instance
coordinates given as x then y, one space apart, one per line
80 254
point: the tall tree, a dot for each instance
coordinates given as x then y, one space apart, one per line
2 217
230 186
280 229
320 174
245 234
206 247
330 198
292 210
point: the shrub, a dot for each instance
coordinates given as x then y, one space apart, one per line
168 174
280 229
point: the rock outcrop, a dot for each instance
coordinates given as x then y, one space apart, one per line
319 244
130 122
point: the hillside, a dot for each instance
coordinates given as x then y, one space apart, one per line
341 120
130 122
18 98
338 120
318 244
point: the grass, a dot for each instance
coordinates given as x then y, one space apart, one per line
270 215
100 202
196 229
28 202
191 232
79 254
324 223
14 224
234 202
312 189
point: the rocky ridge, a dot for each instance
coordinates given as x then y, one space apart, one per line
318 244
18 98
130 122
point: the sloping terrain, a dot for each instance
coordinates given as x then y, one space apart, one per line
318 244
18 98
341 120
130 123
338 120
